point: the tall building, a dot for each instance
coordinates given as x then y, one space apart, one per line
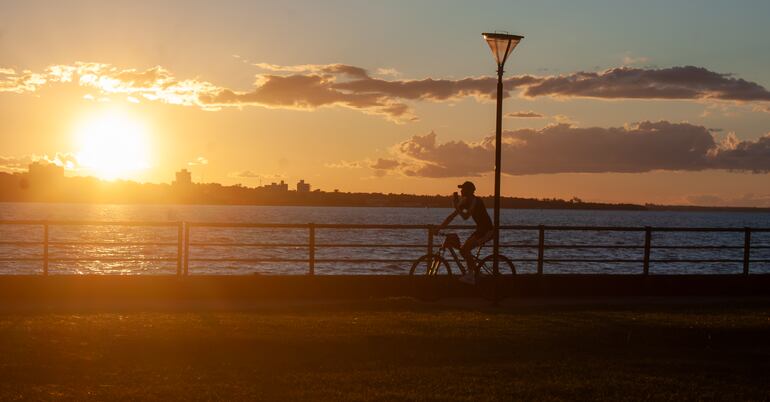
183 178
277 186
303 187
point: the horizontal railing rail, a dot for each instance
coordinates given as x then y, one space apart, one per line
184 244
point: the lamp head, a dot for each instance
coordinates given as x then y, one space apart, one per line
501 44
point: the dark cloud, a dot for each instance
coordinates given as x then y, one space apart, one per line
525 115
562 148
306 92
340 85
751 156
450 159
686 82
385 164
426 89
330 69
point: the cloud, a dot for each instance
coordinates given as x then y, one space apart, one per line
64 159
522 114
307 92
385 164
687 82
628 59
15 164
563 148
563 119
313 86
388 71
326 69
753 156
343 164
199 161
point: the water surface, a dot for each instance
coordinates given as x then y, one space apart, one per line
122 239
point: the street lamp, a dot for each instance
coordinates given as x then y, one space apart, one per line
501 44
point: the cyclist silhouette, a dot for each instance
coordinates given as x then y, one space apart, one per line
469 206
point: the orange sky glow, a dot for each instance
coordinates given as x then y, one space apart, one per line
252 102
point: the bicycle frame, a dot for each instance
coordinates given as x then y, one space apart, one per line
463 269
434 262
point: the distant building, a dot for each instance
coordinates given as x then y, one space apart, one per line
277 186
183 178
303 187
42 173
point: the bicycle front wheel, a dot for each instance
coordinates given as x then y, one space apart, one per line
430 264
504 265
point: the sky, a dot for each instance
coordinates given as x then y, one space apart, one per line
661 102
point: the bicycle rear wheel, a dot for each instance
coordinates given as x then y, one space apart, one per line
504 265
430 264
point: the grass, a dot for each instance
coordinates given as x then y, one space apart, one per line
390 350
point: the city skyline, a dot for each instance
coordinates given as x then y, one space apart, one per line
395 97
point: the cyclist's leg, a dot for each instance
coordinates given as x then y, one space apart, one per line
466 250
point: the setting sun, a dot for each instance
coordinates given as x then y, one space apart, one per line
112 146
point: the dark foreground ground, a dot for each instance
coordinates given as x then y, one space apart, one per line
394 349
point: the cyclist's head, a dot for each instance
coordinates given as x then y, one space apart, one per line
467 188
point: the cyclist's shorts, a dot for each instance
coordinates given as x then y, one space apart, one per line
479 237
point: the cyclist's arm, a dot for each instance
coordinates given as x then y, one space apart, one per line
448 220
466 213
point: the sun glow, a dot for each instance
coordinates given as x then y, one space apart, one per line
113 146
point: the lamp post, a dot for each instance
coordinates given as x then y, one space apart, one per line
501 44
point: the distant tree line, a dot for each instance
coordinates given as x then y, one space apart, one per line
19 187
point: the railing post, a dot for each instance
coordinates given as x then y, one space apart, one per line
179 247
540 249
746 250
430 240
647 247
45 248
186 248
311 249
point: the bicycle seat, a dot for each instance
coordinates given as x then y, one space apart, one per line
452 240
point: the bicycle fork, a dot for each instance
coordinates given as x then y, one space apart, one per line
435 264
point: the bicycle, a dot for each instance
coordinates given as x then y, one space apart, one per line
430 264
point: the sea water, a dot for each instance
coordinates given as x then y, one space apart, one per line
120 242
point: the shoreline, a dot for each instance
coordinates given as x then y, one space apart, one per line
638 208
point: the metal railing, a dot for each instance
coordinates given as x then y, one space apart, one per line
184 244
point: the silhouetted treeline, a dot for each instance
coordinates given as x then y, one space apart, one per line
19 187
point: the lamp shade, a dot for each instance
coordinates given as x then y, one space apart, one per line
502 44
